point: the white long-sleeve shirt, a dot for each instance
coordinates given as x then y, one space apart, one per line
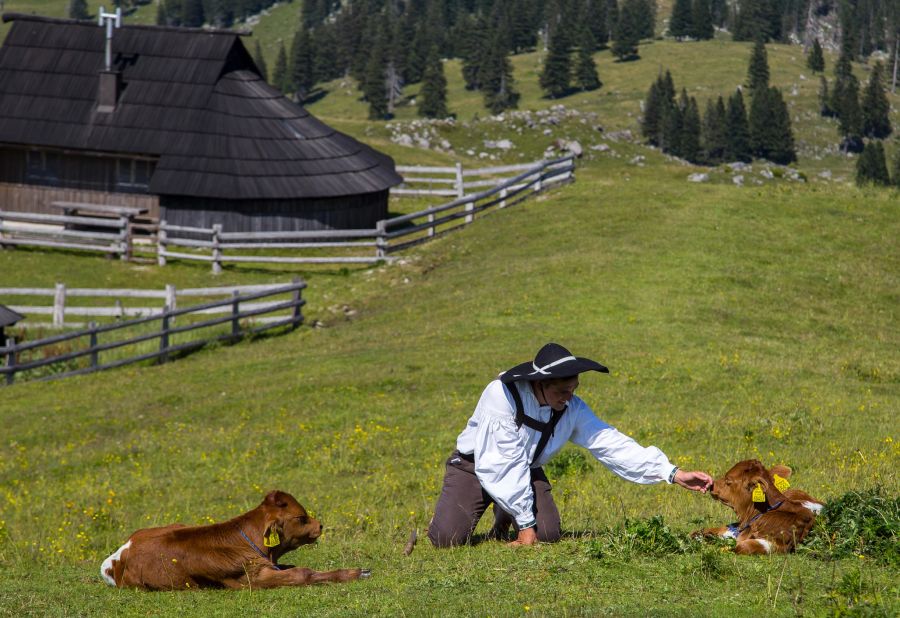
502 452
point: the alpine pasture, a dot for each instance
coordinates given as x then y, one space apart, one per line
738 321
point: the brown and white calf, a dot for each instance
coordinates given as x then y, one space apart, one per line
776 522
240 552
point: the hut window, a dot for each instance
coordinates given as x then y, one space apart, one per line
133 175
42 167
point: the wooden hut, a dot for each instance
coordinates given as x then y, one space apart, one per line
177 120
8 317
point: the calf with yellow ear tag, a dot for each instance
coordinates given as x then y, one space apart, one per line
772 517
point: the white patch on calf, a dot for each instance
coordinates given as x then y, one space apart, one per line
815 507
106 569
765 545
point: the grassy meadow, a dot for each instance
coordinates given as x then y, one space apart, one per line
753 321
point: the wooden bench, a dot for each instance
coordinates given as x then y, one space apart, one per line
126 214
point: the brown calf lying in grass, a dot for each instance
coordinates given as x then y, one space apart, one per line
772 518
243 551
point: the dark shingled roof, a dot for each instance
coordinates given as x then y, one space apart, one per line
8 317
192 97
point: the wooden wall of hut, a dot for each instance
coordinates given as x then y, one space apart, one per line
348 212
37 199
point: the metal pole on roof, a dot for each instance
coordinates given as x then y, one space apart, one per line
110 19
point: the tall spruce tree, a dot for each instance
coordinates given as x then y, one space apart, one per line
374 87
475 49
714 138
737 129
825 101
260 61
758 70
876 120
302 63
626 37
585 75
645 18
681 22
78 9
280 77
871 167
689 140
816 58
771 136
651 123
596 19
555 78
845 103
192 13
671 133
433 96
702 21
497 83
757 19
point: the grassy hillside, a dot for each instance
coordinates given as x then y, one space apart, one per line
738 322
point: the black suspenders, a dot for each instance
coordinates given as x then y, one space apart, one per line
546 429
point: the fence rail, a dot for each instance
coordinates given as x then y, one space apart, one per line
60 308
239 311
388 236
79 228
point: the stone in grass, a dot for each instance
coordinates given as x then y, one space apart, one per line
698 177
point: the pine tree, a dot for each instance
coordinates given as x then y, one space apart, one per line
825 108
475 49
78 9
260 61
596 19
701 16
434 87
280 78
757 19
671 133
374 88
816 58
161 18
681 23
586 77
192 13
737 130
497 81
758 71
876 108
555 77
302 62
714 139
653 114
645 18
626 38
690 130
174 9
771 136
871 167
845 103
719 11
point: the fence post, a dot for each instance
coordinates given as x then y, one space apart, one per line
380 240
171 302
120 313
161 237
503 194
298 317
164 336
216 251
94 356
235 314
59 306
540 176
460 187
125 237
470 207
431 221
11 359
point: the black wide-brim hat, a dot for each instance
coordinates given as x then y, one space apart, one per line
552 361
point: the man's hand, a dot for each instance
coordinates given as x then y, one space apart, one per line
695 481
527 536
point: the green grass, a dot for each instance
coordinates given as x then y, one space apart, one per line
738 322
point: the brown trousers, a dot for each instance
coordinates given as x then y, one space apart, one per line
463 502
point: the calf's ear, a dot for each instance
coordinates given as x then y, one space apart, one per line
782 471
276 498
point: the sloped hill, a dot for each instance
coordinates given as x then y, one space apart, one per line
738 322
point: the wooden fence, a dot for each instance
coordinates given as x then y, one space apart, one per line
451 181
67 354
61 309
389 235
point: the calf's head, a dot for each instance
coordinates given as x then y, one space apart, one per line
287 524
735 488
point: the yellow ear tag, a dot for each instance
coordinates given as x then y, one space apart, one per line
271 540
758 494
781 483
